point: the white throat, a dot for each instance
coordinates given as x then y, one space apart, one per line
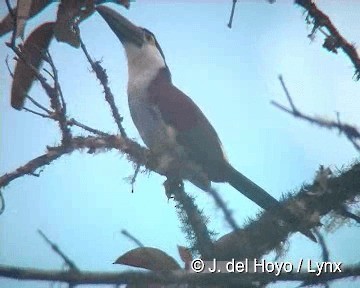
144 64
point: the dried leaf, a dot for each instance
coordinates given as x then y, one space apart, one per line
22 14
7 23
33 49
185 256
69 14
149 258
125 3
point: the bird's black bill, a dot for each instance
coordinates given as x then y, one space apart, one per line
123 28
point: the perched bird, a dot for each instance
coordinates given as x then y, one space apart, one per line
169 122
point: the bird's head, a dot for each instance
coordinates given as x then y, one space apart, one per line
142 49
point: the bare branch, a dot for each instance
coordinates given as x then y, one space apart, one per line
346 213
52 92
193 220
287 94
109 97
56 82
264 234
243 243
57 250
37 113
324 248
30 167
351 132
73 122
13 16
335 39
135 152
133 179
171 277
8 67
232 13
58 103
132 238
2 202
221 204
37 104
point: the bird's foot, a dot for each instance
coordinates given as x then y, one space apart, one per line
173 186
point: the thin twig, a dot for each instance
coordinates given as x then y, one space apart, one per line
57 102
325 254
324 248
351 132
232 13
132 238
287 94
73 122
109 97
13 16
133 179
37 113
37 104
57 250
53 94
2 202
346 213
56 81
8 67
221 204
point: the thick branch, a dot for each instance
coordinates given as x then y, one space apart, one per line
193 220
135 152
254 240
170 277
264 234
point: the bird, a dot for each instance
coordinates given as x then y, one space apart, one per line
169 122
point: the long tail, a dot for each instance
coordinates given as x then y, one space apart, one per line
258 195
252 191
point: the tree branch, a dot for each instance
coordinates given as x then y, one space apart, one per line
172 277
71 264
232 13
193 220
109 97
262 235
351 132
335 39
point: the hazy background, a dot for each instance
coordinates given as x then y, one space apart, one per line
82 201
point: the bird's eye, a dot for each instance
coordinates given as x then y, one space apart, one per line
150 38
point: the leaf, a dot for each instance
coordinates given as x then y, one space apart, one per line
227 246
185 256
69 14
7 23
125 3
22 14
149 258
33 49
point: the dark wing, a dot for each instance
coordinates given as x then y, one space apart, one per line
194 130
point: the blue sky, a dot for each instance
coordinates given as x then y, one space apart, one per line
83 201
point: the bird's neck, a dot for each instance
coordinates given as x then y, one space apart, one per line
144 66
